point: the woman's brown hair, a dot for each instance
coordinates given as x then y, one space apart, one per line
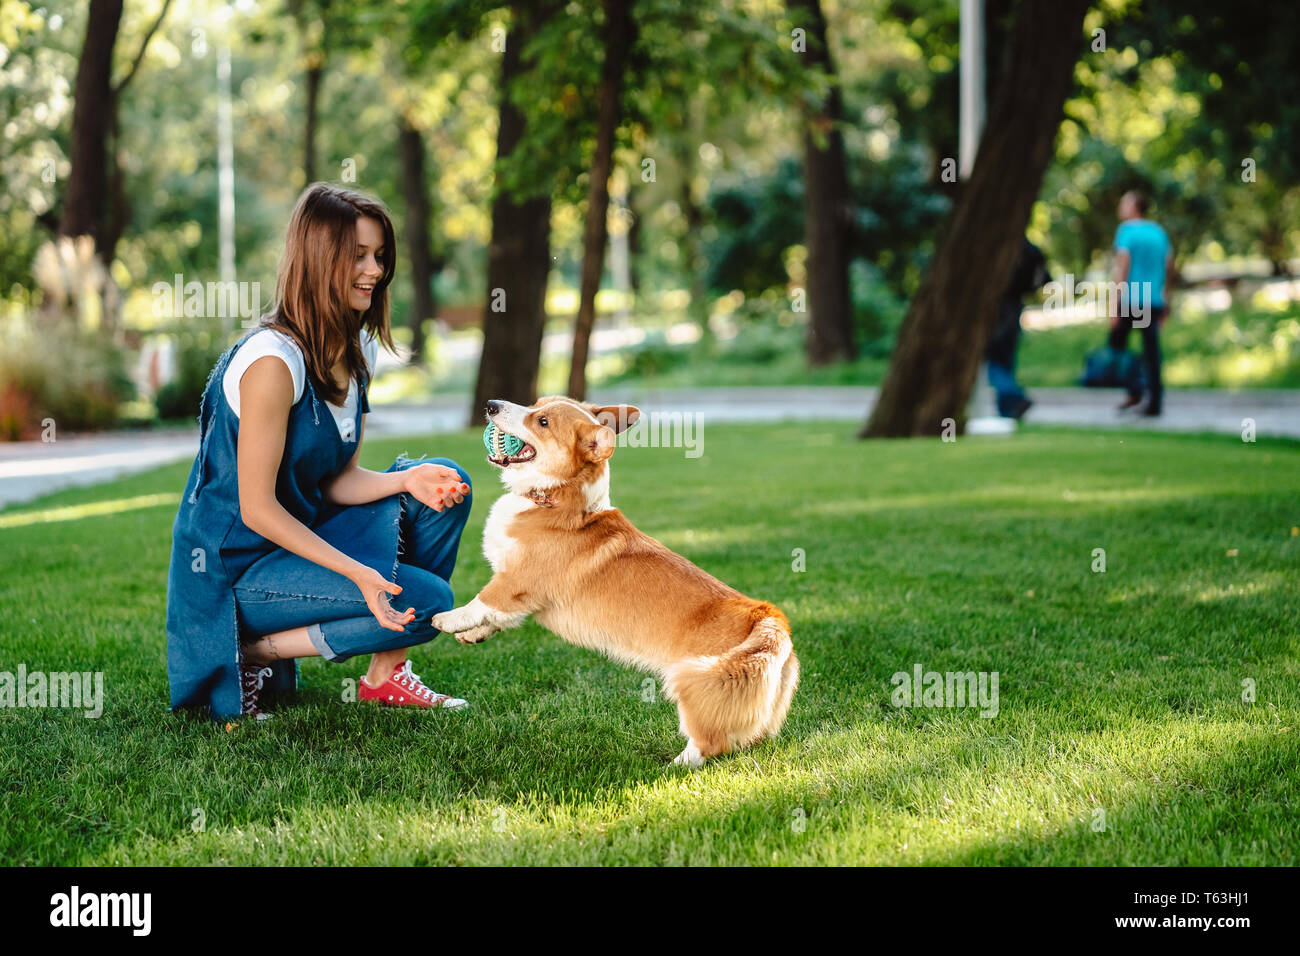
315 280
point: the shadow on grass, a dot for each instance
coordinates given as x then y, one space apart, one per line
1119 690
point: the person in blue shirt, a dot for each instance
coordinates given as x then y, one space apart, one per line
1144 271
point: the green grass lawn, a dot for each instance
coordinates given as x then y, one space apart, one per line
1120 692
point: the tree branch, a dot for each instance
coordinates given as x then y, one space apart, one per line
117 90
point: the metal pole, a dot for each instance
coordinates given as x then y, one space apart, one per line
225 175
971 115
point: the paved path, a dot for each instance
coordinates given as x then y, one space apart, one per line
31 469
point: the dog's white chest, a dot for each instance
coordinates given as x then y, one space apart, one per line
497 543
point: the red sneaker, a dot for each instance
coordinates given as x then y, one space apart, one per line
404 689
250 686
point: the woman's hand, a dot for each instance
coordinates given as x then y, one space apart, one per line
374 588
437 486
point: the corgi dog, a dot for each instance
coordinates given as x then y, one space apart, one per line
562 553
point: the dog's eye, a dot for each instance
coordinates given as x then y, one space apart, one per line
542 421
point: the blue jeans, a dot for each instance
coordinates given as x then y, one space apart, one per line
1003 380
283 590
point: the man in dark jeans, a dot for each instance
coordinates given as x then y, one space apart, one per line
1030 276
1144 267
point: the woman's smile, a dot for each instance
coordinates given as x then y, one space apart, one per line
368 270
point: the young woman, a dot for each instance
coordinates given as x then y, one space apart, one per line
284 547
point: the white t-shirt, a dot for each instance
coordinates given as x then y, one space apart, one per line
270 342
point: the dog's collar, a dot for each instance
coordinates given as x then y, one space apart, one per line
540 498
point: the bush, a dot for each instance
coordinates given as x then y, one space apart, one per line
877 310
195 357
73 377
653 358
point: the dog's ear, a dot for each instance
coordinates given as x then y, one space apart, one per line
596 441
618 417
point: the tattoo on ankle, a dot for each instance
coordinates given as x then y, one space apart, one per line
270 646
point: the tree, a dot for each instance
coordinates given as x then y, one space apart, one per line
828 204
96 178
312 19
519 257
618 36
84 204
423 265
943 336
95 202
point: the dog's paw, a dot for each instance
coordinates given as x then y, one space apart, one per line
453 621
690 757
476 635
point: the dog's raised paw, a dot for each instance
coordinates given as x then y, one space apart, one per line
475 635
450 622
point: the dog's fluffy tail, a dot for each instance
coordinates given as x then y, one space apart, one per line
739 697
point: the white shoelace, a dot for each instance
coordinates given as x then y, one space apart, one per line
410 680
249 697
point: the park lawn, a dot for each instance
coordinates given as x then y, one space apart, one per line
1120 695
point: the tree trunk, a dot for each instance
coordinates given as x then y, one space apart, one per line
92 119
635 250
697 309
519 256
943 336
416 194
828 206
315 71
617 43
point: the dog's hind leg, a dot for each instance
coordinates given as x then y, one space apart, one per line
781 707
705 736
690 757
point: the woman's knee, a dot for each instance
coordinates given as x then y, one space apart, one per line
402 463
464 475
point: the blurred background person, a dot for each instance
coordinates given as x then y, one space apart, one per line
1144 270
1030 275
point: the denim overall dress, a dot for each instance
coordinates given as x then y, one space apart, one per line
212 547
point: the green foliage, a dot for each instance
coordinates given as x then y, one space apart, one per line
50 370
196 355
755 221
714 96
878 309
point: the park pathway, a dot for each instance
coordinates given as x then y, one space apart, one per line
31 469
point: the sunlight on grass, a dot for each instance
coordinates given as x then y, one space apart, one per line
92 509
1164 692
1007 495
884 790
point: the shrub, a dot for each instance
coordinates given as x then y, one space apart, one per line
195 357
74 377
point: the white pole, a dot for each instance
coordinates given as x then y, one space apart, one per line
225 172
971 115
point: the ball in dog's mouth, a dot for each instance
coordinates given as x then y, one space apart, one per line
506 449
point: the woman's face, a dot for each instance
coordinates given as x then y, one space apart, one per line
367 270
